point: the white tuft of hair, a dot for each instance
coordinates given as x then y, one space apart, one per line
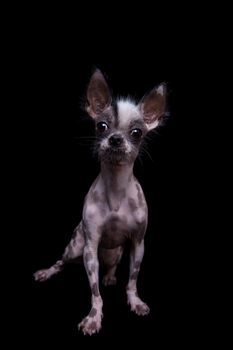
160 90
127 111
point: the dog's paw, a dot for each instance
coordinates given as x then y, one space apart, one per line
141 309
90 324
109 280
41 275
138 306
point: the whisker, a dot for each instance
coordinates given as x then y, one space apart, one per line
144 150
84 140
85 137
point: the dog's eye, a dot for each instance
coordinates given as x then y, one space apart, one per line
102 127
136 133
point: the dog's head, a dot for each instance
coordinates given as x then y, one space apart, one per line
122 124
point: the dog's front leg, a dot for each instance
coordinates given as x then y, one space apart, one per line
92 322
136 256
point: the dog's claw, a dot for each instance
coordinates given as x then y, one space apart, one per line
142 309
41 275
90 325
138 306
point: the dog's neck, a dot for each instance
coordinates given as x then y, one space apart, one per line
116 179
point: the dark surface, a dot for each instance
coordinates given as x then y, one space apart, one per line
59 169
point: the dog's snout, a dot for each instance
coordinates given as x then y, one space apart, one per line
115 140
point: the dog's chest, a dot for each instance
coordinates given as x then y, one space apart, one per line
116 215
122 225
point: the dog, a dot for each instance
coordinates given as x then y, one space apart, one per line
115 209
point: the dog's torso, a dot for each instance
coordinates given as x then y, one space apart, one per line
118 216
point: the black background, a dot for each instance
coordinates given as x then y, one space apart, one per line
49 56
58 167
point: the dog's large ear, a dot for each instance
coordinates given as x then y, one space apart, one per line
153 106
98 94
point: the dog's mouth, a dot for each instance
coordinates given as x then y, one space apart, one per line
117 155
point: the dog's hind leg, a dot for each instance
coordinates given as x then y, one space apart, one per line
73 250
110 258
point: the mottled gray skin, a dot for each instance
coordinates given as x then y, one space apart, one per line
115 208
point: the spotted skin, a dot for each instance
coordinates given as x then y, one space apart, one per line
136 304
93 312
72 252
115 209
95 290
92 322
101 236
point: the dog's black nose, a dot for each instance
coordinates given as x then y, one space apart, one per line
115 140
